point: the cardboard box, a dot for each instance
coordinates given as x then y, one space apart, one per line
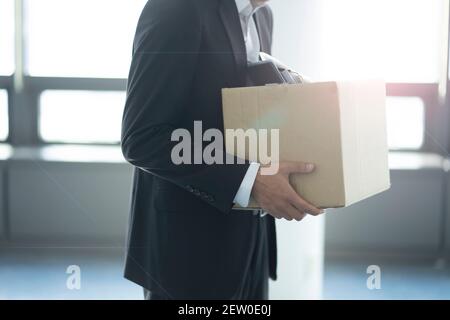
338 126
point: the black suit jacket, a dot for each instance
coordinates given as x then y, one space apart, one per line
184 239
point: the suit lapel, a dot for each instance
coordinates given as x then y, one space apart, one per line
231 21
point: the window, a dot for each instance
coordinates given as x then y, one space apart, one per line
3 115
6 37
81 116
77 53
80 38
399 41
405 122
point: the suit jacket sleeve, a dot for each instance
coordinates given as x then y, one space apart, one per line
165 55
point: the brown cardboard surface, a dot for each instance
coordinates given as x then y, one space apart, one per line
338 126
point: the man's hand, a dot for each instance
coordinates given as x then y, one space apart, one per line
276 196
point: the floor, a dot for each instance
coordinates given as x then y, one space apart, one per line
42 274
401 278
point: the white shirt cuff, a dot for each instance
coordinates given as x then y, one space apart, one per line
243 195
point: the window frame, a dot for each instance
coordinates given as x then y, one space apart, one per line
433 139
24 92
39 85
32 90
6 84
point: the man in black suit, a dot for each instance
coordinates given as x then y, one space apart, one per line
185 241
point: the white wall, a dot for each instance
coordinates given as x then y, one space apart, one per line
300 245
296 34
300 259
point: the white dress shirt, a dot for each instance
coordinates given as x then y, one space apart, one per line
246 10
